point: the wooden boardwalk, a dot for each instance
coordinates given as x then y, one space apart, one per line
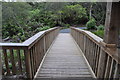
64 60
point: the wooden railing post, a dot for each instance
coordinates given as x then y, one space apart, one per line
28 64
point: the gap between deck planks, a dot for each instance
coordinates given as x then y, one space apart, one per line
64 60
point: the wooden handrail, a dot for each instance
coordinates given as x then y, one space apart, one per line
29 41
108 45
27 55
92 36
92 46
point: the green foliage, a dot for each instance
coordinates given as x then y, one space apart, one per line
67 25
100 27
14 19
91 24
73 14
99 33
22 20
43 28
98 10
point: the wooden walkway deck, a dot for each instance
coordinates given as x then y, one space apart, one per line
64 60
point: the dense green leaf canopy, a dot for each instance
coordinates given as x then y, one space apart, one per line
21 20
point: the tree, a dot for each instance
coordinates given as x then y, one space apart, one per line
73 14
95 10
15 17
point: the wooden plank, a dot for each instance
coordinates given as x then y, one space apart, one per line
6 61
109 60
111 33
13 62
64 60
32 60
28 64
60 76
97 59
117 71
19 61
112 69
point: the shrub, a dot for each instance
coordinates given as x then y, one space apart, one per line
67 25
43 28
99 33
91 24
100 27
73 14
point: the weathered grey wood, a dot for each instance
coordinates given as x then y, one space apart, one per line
109 60
117 71
64 60
111 34
33 51
28 64
19 61
97 59
6 61
13 62
29 42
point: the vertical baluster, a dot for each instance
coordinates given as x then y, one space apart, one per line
41 54
44 42
31 60
92 56
19 61
112 68
96 58
47 42
82 42
86 49
89 49
117 72
85 42
109 60
102 64
12 61
97 61
6 61
37 56
35 52
43 46
28 63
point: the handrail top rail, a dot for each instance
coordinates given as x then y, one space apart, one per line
29 41
90 35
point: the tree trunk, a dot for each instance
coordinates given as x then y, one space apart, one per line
90 13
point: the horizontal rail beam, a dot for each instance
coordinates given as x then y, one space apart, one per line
29 41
